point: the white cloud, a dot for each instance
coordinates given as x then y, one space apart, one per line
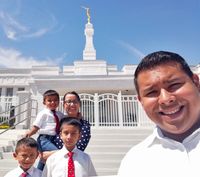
38 33
136 52
11 34
11 26
14 30
11 58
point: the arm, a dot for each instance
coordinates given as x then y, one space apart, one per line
36 124
33 131
46 154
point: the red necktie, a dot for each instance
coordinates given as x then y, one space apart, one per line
71 172
57 129
24 174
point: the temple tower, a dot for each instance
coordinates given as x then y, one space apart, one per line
89 53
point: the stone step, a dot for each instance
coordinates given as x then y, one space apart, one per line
118 136
120 131
3 171
4 142
108 148
106 130
6 148
105 172
114 142
8 162
7 155
10 136
106 163
106 156
13 132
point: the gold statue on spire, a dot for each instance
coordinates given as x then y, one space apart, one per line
87 13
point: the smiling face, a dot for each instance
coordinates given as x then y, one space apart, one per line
51 102
170 98
71 105
26 156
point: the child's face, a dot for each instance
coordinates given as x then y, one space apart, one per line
51 102
26 156
70 135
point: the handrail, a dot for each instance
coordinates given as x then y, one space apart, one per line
23 112
13 126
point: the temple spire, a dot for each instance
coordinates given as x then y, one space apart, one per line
89 53
87 13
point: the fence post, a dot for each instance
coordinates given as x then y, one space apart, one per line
139 114
120 109
96 110
12 118
24 110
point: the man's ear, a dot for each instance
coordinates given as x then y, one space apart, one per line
195 79
138 97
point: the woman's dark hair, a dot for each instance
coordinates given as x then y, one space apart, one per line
73 93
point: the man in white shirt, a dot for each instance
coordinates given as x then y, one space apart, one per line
170 95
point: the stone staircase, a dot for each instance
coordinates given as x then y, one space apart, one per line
107 147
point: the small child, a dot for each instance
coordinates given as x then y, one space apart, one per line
26 152
47 124
57 164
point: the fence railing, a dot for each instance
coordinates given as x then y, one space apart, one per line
101 110
17 112
6 103
113 110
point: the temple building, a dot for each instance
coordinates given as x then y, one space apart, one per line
89 76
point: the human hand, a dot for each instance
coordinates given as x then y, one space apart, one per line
27 134
46 154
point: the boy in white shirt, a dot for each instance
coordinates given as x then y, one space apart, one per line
47 124
26 152
57 163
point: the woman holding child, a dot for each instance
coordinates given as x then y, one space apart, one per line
71 104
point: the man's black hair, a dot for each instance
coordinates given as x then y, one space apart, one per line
158 58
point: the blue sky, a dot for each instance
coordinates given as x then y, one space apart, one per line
34 32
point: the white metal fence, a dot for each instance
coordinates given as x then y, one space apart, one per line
112 110
108 110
